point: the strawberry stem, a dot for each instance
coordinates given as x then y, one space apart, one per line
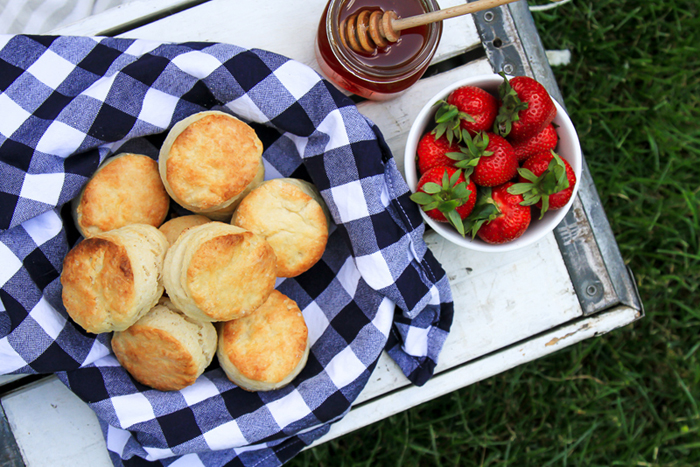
538 189
485 210
470 153
445 196
448 119
508 112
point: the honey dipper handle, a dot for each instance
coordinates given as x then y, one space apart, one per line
438 15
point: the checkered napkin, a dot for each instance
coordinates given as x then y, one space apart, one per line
67 103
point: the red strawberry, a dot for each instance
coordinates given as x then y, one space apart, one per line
546 181
467 107
432 152
499 216
544 141
480 105
446 196
488 159
526 108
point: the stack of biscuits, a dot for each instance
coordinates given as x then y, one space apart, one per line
176 293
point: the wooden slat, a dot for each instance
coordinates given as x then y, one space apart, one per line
7 379
53 427
472 372
123 16
253 25
491 313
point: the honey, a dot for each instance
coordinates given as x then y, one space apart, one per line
387 71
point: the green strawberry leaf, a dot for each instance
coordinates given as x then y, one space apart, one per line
508 112
530 199
455 156
448 120
469 155
447 206
560 170
446 113
431 206
445 196
545 205
446 181
467 168
520 188
432 188
467 164
476 145
527 175
548 184
454 178
461 191
455 221
538 189
438 131
485 210
553 179
421 198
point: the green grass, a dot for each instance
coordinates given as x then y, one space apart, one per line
631 397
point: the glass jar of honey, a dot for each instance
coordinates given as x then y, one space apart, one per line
387 71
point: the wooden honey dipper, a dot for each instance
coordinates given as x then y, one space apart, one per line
367 29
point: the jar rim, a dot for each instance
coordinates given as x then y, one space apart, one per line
357 67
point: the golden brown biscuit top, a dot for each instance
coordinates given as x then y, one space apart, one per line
141 349
268 344
98 283
290 219
213 160
126 190
231 271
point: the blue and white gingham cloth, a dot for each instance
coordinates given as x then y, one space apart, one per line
67 103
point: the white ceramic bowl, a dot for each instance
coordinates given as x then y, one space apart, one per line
568 148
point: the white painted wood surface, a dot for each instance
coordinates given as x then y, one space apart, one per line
289 30
121 17
498 302
53 427
502 319
7 379
478 370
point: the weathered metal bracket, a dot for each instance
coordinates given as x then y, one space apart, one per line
499 38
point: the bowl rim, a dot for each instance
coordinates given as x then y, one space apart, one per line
551 218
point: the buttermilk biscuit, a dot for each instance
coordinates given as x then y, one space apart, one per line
224 214
207 161
174 227
113 279
291 215
125 189
165 349
267 349
219 272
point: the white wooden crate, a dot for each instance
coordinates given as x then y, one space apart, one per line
501 317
